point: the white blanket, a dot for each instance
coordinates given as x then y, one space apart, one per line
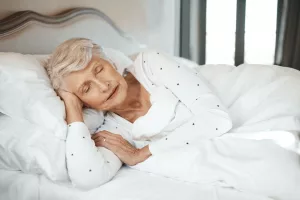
262 100
127 185
260 167
259 98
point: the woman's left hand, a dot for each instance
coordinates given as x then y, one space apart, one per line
119 146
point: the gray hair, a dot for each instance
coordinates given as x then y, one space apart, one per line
72 55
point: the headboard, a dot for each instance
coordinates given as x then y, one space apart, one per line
33 33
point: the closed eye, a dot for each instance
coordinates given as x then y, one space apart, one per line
98 69
86 88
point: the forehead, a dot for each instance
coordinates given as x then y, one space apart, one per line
93 63
76 78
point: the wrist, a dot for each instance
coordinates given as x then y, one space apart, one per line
73 103
73 112
143 154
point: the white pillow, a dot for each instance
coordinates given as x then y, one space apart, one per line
119 59
93 119
33 149
26 92
30 139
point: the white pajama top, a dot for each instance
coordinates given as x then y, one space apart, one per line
182 103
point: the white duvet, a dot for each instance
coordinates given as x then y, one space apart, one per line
259 98
127 185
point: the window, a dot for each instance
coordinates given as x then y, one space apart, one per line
235 31
220 31
260 31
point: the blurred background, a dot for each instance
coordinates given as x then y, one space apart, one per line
241 31
206 31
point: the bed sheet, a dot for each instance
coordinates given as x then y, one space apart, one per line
129 184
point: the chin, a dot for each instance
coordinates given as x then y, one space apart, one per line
118 100
121 97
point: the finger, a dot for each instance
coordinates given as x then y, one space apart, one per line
109 135
119 142
115 136
94 136
99 139
108 145
104 141
100 133
119 148
99 144
110 141
105 134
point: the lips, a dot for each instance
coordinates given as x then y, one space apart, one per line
113 93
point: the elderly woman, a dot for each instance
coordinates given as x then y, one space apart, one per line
144 107
155 105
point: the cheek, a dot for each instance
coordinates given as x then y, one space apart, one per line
94 99
121 80
124 85
113 75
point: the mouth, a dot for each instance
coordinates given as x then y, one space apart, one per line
113 93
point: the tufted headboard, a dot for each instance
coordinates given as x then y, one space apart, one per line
33 33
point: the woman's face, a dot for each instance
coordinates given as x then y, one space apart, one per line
98 85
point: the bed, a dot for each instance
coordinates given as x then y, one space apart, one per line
32 33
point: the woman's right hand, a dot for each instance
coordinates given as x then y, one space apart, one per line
68 97
73 106
121 148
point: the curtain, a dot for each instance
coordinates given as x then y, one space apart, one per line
288 51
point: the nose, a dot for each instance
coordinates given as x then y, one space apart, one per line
103 85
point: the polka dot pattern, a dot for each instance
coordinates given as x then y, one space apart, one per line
87 162
192 94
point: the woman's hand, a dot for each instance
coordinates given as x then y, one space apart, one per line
123 149
73 106
68 97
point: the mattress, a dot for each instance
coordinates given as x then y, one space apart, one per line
129 184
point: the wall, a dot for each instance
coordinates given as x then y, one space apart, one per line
152 22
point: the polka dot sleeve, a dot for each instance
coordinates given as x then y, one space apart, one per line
88 166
